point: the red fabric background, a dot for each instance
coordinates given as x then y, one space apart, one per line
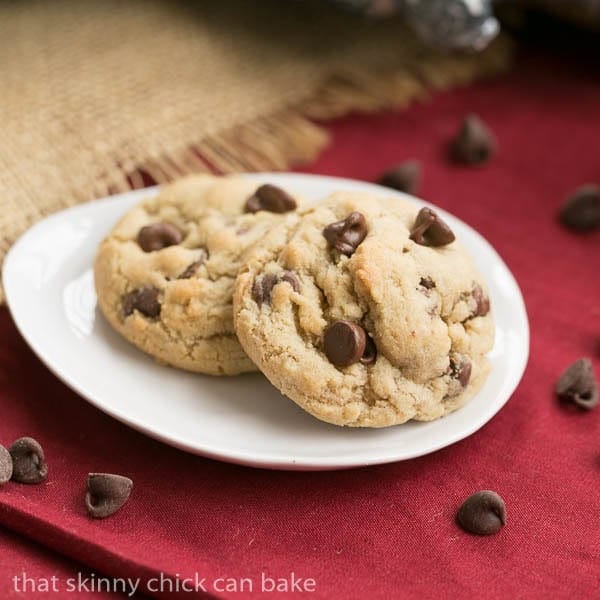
385 531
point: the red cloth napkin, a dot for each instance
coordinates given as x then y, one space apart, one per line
386 531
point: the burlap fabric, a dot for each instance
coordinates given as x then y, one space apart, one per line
93 94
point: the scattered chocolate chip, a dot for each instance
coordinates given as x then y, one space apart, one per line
430 230
474 144
461 371
158 236
581 212
347 234
578 384
262 287
344 343
29 462
427 283
106 494
272 198
193 267
370 352
404 177
145 300
482 302
482 513
6 465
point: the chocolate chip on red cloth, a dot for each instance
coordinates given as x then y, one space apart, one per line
482 513
404 177
347 234
6 465
106 494
430 230
581 211
578 384
191 269
344 343
263 286
145 300
158 236
29 462
369 355
272 198
482 302
474 144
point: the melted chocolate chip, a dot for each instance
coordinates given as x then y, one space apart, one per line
581 212
482 513
191 269
404 177
461 371
158 236
474 144
6 465
29 462
347 234
369 355
344 343
290 278
578 384
427 283
430 230
482 302
145 300
262 287
106 494
272 198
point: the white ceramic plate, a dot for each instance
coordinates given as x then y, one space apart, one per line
49 286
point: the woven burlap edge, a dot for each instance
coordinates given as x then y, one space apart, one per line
289 136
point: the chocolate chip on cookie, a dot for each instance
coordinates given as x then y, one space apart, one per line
482 513
581 212
344 343
369 354
427 283
263 286
482 302
578 384
404 177
144 300
193 267
158 236
271 198
29 461
474 144
106 494
347 234
430 230
461 371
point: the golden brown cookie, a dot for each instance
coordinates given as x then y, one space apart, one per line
366 312
165 275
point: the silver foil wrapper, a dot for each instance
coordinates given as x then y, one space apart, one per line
468 24
453 24
446 24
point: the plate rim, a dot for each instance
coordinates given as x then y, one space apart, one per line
258 459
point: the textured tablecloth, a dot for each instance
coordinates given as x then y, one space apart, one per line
385 531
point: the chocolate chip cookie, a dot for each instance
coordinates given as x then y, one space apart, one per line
366 312
165 274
